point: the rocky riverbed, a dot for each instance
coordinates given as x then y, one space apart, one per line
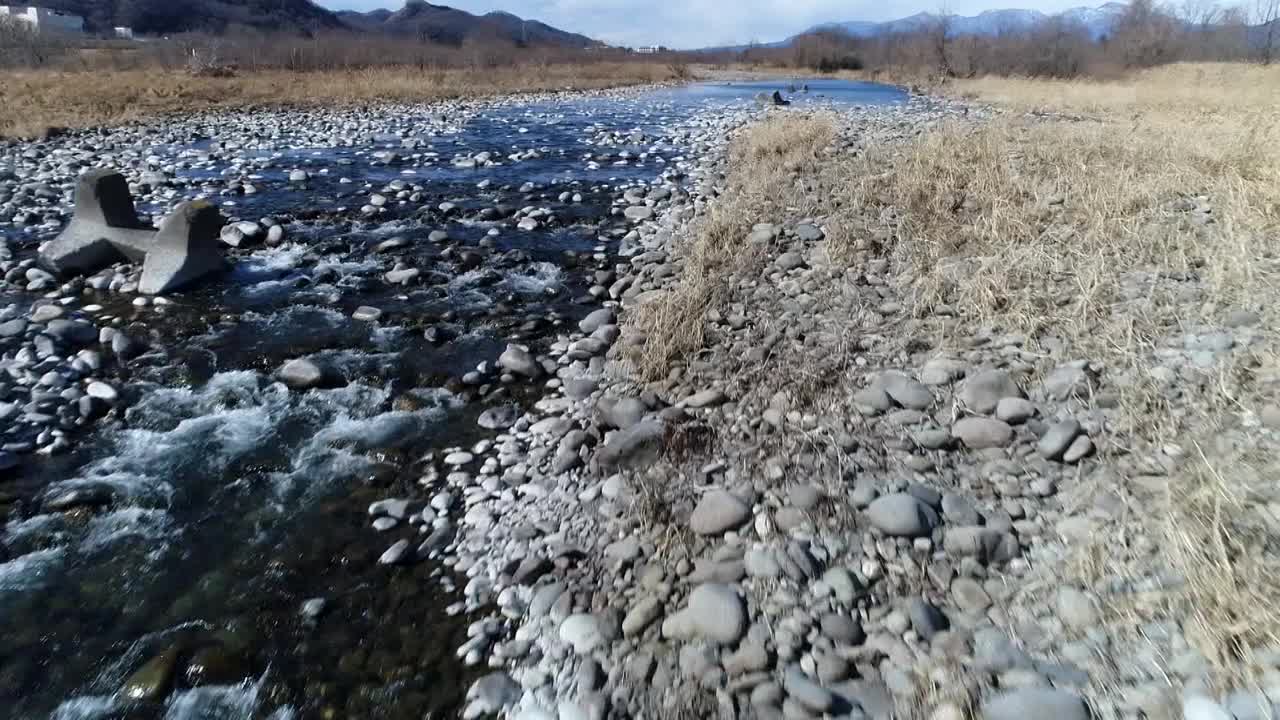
839 507
418 310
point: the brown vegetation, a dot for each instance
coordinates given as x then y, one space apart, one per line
764 164
31 101
1106 219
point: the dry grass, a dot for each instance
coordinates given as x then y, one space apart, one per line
1113 216
1039 224
765 163
30 102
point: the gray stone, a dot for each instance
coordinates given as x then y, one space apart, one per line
302 374
520 361
621 413
1075 609
638 213
749 657
1053 445
1081 448
809 233
902 515
366 313
1067 381
641 616
980 433
1015 411
983 391
714 613
926 619
582 632
906 391
806 692
596 320
395 554
982 543
718 512
704 399
492 693
632 446
1035 702
969 595
499 418
842 629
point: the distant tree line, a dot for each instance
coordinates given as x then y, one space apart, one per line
1146 34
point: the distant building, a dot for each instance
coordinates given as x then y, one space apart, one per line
43 19
649 50
124 32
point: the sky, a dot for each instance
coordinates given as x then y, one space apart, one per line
705 23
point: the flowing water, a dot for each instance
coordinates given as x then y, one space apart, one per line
219 501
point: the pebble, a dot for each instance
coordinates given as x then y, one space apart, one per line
1035 702
717 512
902 515
714 612
980 433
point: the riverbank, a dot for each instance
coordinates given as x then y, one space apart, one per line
950 410
31 103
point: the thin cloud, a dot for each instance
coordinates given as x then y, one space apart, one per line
703 23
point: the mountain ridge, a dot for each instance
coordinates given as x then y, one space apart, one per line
439 23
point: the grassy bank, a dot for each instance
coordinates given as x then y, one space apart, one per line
32 101
1117 222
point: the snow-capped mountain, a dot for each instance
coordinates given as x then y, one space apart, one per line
1097 20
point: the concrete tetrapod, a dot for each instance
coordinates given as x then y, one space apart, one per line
105 229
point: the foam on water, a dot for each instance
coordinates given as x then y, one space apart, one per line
217 702
539 278
30 571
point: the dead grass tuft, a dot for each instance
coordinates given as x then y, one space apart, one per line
1112 218
765 162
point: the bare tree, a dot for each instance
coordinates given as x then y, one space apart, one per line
1267 16
1201 14
939 34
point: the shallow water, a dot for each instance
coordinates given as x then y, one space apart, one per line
222 501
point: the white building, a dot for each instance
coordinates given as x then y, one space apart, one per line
124 32
649 50
44 19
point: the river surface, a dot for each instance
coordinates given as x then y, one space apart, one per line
224 501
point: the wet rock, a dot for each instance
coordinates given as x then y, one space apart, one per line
396 554
718 512
303 374
152 681
519 361
215 665
499 418
365 313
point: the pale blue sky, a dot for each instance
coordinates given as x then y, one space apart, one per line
702 23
